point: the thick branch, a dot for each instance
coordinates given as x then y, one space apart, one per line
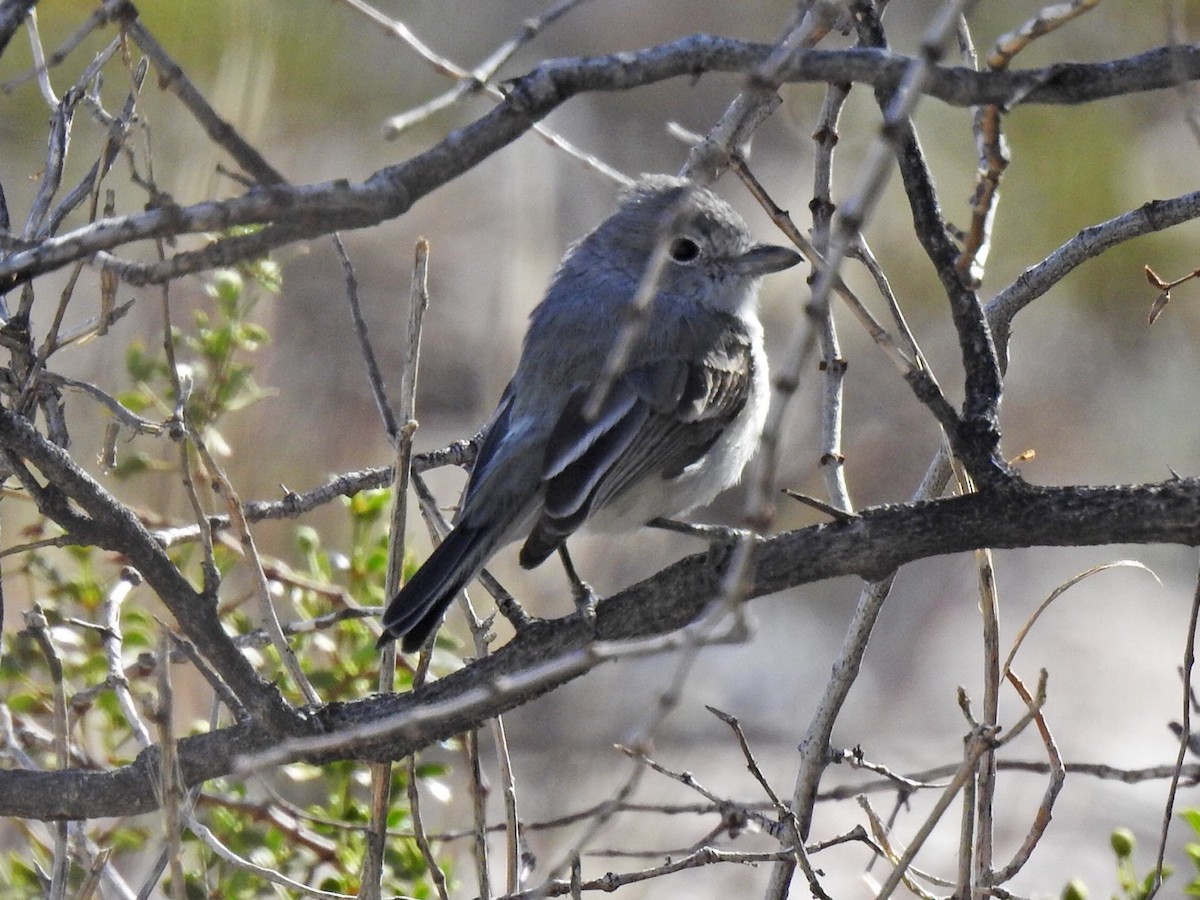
976 438
306 211
112 526
878 541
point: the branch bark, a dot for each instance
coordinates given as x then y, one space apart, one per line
291 213
869 545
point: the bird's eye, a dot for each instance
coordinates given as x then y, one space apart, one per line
684 250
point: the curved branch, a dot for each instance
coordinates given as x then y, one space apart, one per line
113 526
875 542
292 213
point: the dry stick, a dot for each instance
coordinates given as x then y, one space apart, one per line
267 875
611 881
476 80
1061 589
690 641
414 808
86 851
56 157
576 877
39 58
481 636
981 739
814 747
171 793
381 773
1041 822
886 850
583 815
98 19
984 786
112 639
45 223
926 780
38 629
1189 663
118 128
479 794
212 577
438 527
172 77
1048 19
833 366
688 780
471 701
757 100
213 843
1102 771
397 541
786 817
911 369
118 133
262 589
993 150
397 29
513 831
294 505
181 387
974 432
374 375
603 814
863 253
993 160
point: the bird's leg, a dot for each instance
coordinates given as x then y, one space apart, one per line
585 597
506 603
722 539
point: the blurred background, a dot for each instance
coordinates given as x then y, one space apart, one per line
1097 394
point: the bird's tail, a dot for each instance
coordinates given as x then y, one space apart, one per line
417 609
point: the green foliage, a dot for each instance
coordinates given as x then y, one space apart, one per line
214 357
307 825
1133 887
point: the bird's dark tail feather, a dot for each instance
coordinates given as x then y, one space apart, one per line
417 609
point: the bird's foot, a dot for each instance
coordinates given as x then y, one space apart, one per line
585 598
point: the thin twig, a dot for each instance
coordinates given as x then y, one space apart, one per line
171 793
1189 663
477 80
1041 822
262 589
397 29
381 773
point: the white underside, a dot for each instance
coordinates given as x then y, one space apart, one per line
700 482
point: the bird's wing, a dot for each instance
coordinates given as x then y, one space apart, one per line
493 436
657 419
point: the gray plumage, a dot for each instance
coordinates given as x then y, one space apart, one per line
676 426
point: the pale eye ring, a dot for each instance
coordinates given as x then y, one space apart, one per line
684 250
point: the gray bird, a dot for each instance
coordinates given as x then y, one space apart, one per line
673 428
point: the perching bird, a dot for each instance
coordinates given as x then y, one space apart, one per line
670 429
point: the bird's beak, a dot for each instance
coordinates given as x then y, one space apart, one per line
763 259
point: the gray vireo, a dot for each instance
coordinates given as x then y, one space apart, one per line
574 443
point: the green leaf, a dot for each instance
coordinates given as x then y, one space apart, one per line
1192 817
